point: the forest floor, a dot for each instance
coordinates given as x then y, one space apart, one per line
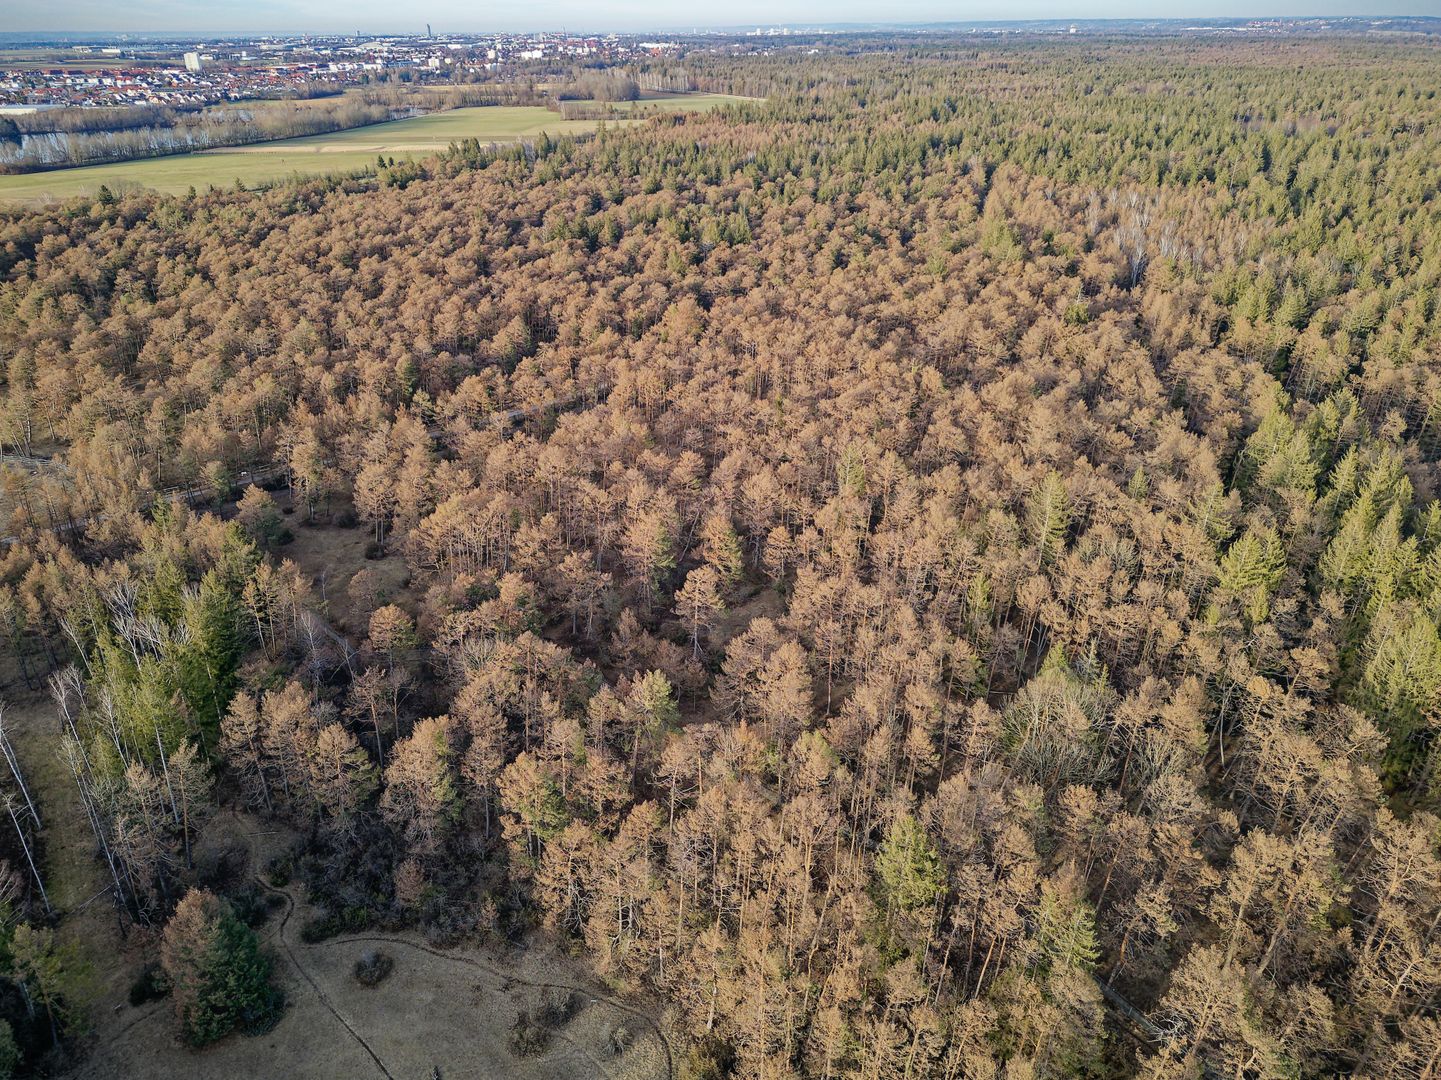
446 1012
331 555
75 878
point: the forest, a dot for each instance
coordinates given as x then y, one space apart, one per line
935 573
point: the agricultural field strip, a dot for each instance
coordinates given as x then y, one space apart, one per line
351 150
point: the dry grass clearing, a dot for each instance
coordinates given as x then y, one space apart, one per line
331 556
445 1012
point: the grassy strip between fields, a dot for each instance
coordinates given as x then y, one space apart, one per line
339 152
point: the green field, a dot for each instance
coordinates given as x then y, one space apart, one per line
338 152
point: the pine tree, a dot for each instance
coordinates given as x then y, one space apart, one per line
851 472
655 697
908 866
1278 456
1347 558
1065 927
532 806
259 516
46 974
219 978
698 603
421 798
1048 516
9 1051
1402 677
215 624
648 546
342 778
242 745
191 784
1251 570
721 549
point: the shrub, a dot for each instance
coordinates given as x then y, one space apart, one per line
531 1031
279 871
527 1035
319 929
150 986
253 907
621 1039
709 1059
372 967
351 920
557 1007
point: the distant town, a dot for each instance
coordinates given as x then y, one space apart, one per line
189 74
71 70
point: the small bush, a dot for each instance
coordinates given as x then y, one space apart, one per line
253 907
530 1034
709 1059
264 1015
351 920
374 551
279 871
346 519
443 930
527 1036
372 967
558 1007
318 929
621 1039
150 986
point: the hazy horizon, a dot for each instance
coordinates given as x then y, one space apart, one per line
373 17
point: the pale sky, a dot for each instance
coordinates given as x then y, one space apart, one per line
385 16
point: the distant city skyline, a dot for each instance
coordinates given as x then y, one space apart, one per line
378 17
